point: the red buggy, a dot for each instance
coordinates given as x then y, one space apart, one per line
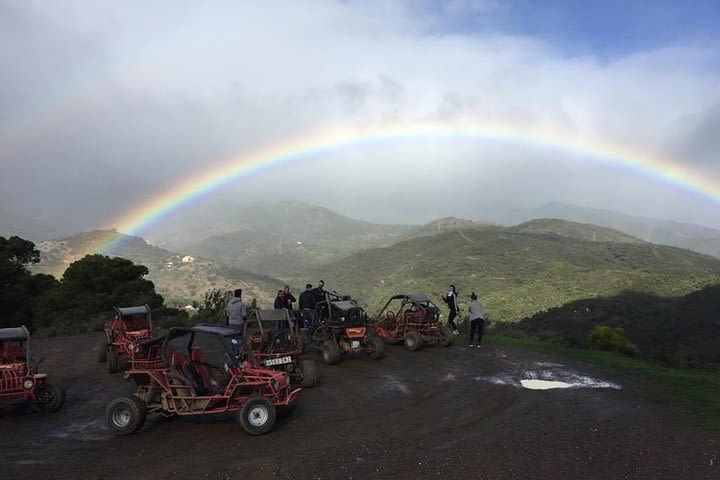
197 371
126 328
413 319
273 340
20 384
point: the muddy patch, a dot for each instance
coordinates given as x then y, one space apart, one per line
547 376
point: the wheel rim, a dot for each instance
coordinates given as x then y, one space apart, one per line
45 397
121 417
258 416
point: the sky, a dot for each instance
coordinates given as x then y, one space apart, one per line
105 104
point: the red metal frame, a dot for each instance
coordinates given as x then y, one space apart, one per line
15 370
121 340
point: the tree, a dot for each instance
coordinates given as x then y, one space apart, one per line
18 288
93 285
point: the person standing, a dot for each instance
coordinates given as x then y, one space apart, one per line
451 300
289 298
236 309
280 301
307 306
477 320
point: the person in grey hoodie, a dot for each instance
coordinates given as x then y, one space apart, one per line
236 310
477 320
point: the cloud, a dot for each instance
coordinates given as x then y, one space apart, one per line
148 94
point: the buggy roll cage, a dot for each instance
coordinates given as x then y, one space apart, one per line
122 314
222 332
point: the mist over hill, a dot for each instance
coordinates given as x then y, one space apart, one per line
665 232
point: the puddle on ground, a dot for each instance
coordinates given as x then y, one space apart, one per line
552 376
93 430
543 384
394 384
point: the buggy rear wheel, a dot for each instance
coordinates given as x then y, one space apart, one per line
331 352
112 361
49 398
309 370
126 415
377 348
448 336
413 341
257 415
102 352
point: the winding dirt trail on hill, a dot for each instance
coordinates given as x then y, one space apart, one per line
449 413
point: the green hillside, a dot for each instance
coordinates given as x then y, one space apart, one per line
578 231
682 331
516 274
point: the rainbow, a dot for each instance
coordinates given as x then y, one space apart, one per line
143 216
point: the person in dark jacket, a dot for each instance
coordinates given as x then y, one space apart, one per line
307 306
319 292
451 300
289 298
280 301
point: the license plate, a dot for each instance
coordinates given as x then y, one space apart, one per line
278 361
355 343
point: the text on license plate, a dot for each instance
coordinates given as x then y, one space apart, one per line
277 361
355 343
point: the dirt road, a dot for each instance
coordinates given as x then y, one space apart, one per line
439 413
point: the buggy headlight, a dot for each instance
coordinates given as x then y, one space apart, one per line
28 384
275 384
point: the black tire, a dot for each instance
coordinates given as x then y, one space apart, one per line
102 352
309 370
448 336
413 341
331 352
257 415
301 342
125 415
377 348
112 361
285 411
49 398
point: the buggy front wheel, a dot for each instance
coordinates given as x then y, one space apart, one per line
309 371
331 352
447 336
126 415
102 352
377 348
112 361
49 398
257 415
413 340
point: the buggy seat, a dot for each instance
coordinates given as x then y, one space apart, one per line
12 353
199 370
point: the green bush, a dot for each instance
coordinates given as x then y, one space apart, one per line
603 337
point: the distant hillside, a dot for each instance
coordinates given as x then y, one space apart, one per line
683 331
578 231
178 278
283 239
447 224
664 232
290 221
517 273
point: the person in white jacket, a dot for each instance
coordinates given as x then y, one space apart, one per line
477 320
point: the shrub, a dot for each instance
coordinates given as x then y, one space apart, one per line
603 337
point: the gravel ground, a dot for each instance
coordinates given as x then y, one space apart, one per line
439 413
